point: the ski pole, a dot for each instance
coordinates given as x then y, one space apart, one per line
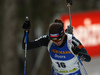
69 3
82 66
70 31
70 28
27 19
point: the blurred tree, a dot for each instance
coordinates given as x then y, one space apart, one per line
10 62
0 33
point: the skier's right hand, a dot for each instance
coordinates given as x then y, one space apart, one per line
26 25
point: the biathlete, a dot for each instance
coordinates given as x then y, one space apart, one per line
63 49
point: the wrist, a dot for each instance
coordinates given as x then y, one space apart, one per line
81 56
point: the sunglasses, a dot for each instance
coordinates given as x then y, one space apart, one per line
57 40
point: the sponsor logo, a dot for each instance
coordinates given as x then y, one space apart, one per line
60 52
65 71
59 56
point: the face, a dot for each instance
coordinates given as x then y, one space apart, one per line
59 42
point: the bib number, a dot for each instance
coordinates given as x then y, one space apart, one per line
61 64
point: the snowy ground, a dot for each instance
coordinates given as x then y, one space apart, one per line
93 67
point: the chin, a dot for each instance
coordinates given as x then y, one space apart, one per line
58 43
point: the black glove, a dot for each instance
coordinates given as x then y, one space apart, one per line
70 30
76 50
26 25
82 56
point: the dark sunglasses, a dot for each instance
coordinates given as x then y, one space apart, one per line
57 40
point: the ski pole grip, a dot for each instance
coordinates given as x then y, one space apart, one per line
27 19
69 2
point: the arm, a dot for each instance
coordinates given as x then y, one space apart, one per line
41 41
79 50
